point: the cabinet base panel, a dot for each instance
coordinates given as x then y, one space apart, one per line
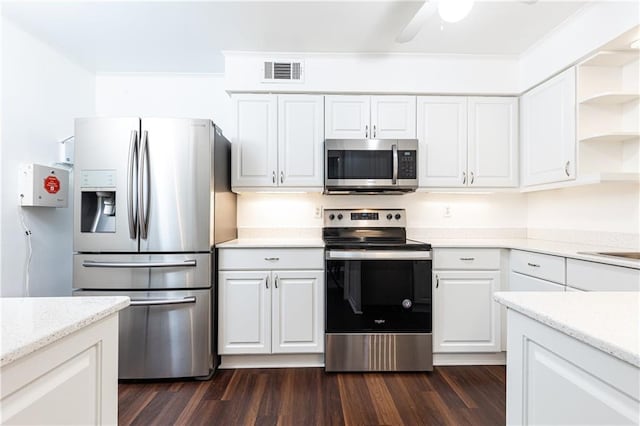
272 361
499 358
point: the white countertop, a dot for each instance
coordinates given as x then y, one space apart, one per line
609 321
540 246
30 323
273 243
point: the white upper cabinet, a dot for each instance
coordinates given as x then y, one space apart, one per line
442 137
254 147
468 142
278 142
300 140
370 117
393 117
347 117
549 131
493 142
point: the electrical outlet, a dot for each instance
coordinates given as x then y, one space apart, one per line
447 211
317 213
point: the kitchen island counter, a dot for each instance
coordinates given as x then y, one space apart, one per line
30 323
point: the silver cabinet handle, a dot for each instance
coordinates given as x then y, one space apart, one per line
366 131
158 302
467 258
464 178
566 168
281 176
437 281
133 156
143 178
472 178
273 176
94 264
533 265
275 281
266 281
272 259
374 131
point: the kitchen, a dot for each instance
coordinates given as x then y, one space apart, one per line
49 73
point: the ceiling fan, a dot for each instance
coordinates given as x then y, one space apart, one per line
449 11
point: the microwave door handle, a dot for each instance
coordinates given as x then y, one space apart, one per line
394 179
132 163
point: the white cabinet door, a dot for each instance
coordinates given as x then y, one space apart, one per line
393 117
442 136
254 147
347 117
493 142
298 312
465 316
244 312
548 131
300 140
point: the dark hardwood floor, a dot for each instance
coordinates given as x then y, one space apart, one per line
309 396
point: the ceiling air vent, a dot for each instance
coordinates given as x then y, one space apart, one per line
282 72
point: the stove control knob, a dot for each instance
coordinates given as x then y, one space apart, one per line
332 216
398 216
340 216
406 303
389 216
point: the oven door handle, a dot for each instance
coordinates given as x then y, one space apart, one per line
377 255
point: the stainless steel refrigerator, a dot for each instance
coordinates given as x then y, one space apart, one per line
152 196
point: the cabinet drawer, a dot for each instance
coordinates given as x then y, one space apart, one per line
538 265
520 282
459 258
593 276
268 258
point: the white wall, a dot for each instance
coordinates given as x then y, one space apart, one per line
42 92
425 211
609 208
587 30
164 95
377 73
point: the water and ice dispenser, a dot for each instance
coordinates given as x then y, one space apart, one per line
98 201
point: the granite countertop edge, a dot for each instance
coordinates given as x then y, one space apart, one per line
562 326
30 346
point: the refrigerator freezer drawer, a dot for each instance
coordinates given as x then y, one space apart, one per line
141 271
163 334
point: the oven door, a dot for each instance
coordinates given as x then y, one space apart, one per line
370 165
380 291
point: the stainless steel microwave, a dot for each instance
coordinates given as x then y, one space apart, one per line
370 166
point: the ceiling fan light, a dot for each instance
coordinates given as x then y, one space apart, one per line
454 10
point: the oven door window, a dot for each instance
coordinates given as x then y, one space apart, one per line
378 296
354 164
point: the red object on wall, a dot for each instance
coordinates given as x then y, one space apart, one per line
51 184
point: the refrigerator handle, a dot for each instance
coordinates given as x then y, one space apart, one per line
133 155
143 180
158 302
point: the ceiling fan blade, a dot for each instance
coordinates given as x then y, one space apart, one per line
415 25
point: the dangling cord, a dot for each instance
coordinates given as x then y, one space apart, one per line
27 233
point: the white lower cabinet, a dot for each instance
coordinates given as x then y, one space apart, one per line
270 311
71 381
554 379
465 316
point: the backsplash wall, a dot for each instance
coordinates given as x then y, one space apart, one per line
504 215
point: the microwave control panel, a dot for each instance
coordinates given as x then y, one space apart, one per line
407 164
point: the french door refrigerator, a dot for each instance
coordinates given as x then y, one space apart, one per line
152 196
